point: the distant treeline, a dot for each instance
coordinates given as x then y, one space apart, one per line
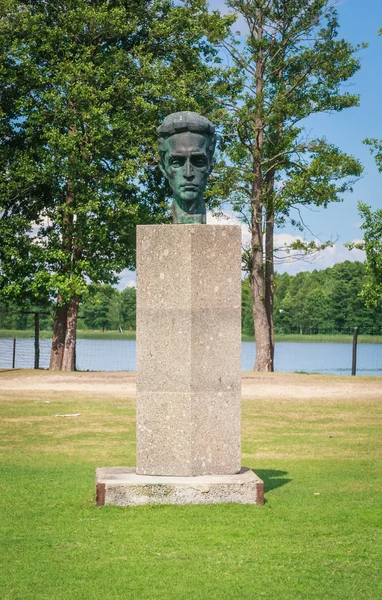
107 309
325 301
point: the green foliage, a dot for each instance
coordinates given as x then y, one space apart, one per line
105 308
108 309
247 326
325 301
291 65
98 311
376 150
16 315
84 85
372 245
128 308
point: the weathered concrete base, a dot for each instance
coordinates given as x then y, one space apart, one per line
188 350
122 486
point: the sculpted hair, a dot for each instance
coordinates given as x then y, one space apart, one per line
185 121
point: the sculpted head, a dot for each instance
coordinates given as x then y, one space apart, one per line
186 147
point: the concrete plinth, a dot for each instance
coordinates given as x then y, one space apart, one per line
188 350
122 486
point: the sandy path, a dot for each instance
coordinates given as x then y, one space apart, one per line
254 385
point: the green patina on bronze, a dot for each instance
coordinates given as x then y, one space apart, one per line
186 146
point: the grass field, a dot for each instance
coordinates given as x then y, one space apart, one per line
317 536
130 335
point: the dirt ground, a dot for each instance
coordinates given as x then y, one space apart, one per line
254 385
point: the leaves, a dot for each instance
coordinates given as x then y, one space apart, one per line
84 86
376 150
372 245
288 67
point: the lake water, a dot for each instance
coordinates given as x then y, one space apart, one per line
120 355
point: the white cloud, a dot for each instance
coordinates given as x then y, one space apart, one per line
293 262
228 218
223 218
126 279
322 260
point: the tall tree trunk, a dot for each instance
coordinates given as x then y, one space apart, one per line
58 339
270 280
65 323
68 359
264 355
269 259
263 360
68 363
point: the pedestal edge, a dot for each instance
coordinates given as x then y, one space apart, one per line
122 486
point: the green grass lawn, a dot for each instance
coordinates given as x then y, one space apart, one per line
315 538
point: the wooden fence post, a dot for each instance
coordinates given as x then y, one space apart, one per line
36 340
354 358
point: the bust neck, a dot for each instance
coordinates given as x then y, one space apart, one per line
196 213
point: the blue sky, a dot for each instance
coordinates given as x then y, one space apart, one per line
359 21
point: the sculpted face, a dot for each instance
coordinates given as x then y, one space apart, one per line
186 165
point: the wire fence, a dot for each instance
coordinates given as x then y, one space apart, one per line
120 355
20 353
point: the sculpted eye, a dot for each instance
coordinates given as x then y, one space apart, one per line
199 161
176 162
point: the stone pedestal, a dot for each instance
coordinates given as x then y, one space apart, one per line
122 486
188 373
188 349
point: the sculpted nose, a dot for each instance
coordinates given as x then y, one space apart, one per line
189 172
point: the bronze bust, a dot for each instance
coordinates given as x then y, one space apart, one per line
186 147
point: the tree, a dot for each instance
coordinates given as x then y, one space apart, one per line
97 310
325 301
84 85
246 308
289 66
128 308
372 245
20 315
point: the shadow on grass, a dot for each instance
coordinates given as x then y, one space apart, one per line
272 479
